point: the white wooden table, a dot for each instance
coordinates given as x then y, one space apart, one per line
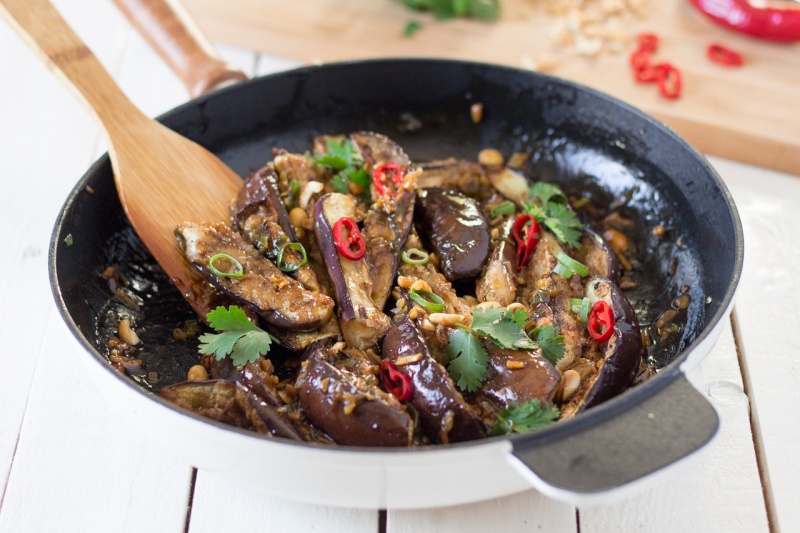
68 463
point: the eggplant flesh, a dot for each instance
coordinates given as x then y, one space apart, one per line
279 300
468 177
548 295
454 227
377 149
349 411
214 399
617 360
261 217
443 413
362 323
499 280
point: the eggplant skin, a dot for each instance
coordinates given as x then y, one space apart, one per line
444 415
453 226
538 380
618 359
597 255
362 323
350 413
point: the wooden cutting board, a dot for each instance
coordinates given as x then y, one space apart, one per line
749 114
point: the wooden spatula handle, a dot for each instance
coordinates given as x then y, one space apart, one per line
43 29
170 30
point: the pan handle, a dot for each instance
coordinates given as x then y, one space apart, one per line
598 459
170 30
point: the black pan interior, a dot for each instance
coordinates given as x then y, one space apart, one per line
581 139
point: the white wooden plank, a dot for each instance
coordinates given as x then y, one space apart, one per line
79 465
524 512
268 64
722 491
221 505
768 321
46 139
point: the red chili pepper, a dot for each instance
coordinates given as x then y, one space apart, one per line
600 321
724 55
648 41
379 176
396 382
526 235
641 58
774 21
669 81
345 243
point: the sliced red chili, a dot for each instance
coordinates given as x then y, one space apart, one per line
600 322
350 245
393 170
641 58
648 41
669 81
526 235
724 55
396 382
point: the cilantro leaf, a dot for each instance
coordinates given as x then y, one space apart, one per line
241 339
519 316
468 360
563 222
339 156
411 28
554 213
525 417
484 317
546 192
552 345
504 328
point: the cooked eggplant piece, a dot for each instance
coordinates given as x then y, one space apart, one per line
518 376
262 219
362 323
499 281
290 167
279 300
443 413
347 409
377 149
265 417
468 177
615 361
386 230
597 255
453 226
548 295
214 399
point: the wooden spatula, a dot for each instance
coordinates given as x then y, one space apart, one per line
163 179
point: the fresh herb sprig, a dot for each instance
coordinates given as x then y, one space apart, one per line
487 10
348 167
525 417
465 355
243 340
548 205
551 344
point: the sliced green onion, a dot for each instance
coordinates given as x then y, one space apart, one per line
291 267
586 305
293 193
573 265
581 307
428 300
562 270
503 208
236 274
414 256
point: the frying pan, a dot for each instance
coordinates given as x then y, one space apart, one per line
580 138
